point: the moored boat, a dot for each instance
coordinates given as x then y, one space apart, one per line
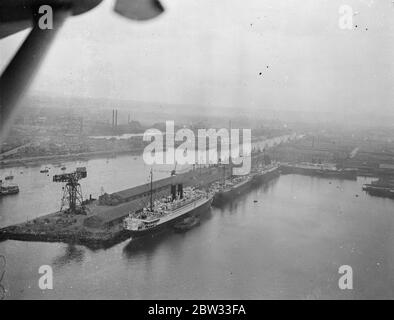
167 211
379 191
187 224
231 188
44 170
8 189
266 173
323 170
166 214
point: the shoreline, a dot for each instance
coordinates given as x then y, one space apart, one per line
69 228
56 159
61 227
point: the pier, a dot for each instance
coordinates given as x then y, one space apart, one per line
100 225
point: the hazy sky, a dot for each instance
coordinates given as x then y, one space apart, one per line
211 52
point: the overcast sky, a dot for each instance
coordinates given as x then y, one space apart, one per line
211 52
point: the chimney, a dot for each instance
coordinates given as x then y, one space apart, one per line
173 192
113 118
116 118
180 190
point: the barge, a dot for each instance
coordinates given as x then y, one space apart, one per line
383 187
385 192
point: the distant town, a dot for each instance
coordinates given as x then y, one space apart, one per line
43 133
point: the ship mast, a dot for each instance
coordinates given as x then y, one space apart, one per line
151 190
229 153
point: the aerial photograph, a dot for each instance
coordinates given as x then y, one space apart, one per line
200 153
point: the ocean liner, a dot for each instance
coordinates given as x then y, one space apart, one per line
166 212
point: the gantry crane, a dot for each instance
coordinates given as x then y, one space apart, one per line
72 192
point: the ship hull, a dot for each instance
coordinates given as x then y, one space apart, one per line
265 177
222 197
169 223
6 191
377 191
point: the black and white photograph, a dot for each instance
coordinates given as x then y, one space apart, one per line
196 150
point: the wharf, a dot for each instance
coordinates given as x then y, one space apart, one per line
324 170
101 223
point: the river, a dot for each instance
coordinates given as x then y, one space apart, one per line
283 240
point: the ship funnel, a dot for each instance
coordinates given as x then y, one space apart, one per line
180 190
173 192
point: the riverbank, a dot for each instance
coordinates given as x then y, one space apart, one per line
57 159
101 224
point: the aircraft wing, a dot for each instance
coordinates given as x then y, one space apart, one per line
16 15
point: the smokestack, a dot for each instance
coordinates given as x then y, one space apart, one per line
180 190
116 118
113 118
173 192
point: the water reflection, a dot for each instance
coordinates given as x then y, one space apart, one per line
147 245
72 254
288 244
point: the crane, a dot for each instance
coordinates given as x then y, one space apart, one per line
72 192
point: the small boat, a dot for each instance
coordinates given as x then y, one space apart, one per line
9 189
187 224
44 170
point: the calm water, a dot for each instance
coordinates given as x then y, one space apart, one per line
288 244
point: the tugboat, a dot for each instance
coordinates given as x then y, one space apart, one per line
167 211
44 170
187 224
